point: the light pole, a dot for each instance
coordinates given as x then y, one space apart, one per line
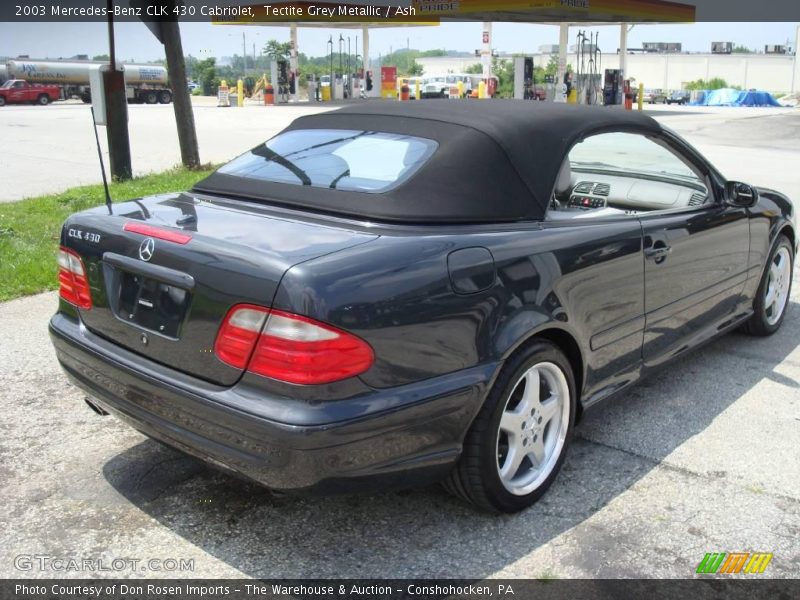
330 43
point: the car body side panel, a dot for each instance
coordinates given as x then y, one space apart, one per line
700 281
585 279
772 213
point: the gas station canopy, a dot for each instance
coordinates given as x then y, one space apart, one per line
432 12
351 15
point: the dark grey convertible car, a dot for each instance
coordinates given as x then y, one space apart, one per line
395 294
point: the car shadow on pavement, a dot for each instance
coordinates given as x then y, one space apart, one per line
427 533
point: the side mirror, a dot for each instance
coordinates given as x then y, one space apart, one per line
740 194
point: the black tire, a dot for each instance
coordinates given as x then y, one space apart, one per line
150 98
43 99
165 97
2 100
759 324
475 478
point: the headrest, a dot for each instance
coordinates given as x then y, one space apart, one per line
564 178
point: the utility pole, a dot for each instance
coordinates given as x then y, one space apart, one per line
181 102
244 54
119 146
168 33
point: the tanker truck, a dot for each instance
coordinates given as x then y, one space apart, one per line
143 83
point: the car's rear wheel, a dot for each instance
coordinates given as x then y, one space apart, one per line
772 298
517 443
44 99
150 98
2 100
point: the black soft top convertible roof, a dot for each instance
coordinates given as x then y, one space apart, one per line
497 160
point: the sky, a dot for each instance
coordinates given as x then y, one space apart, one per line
135 42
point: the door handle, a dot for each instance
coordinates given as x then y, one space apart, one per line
659 253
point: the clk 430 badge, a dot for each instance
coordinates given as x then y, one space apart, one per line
86 236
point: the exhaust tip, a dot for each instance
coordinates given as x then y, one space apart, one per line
95 407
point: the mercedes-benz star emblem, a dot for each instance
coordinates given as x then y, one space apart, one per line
146 249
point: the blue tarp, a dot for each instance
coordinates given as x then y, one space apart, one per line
731 97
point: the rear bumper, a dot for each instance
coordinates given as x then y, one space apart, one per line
402 437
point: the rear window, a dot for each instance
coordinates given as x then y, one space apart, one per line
365 161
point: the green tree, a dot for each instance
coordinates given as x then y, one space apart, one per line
504 71
476 69
739 49
715 83
205 72
191 66
101 57
405 61
427 53
277 50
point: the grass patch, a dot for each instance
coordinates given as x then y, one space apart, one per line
30 229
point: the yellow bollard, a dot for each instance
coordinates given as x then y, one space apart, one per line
573 96
326 93
460 89
482 90
240 93
416 90
640 98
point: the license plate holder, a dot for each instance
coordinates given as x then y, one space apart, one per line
151 304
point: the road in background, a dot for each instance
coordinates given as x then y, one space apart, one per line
48 149
51 148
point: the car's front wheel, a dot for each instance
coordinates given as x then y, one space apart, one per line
518 441
772 298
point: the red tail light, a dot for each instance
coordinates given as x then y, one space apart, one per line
290 348
73 285
238 335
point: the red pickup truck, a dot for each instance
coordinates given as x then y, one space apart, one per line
17 91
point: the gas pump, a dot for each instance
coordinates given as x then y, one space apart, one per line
567 87
369 81
626 88
550 83
283 81
355 85
612 87
337 87
313 88
527 80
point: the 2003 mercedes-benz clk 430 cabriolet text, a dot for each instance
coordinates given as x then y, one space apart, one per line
392 294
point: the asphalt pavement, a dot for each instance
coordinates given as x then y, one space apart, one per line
701 458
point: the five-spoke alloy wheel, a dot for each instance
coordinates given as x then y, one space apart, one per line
515 446
779 278
772 298
533 428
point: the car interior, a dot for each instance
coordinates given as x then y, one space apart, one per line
618 174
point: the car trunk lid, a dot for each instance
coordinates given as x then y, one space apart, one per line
163 271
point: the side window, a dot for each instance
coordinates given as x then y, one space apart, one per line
626 174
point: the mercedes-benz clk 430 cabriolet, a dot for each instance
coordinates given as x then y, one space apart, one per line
392 294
